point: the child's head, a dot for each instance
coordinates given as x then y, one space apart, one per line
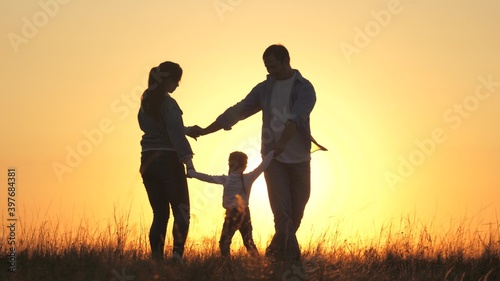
237 160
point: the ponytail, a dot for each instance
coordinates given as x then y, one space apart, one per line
159 77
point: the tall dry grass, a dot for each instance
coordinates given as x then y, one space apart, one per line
404 249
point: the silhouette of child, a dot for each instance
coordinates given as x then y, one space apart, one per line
235 198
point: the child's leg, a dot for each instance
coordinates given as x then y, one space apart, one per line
246 233
231 223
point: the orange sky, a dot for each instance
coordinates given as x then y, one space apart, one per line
408 98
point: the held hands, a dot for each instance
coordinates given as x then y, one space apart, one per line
193 131
196 131
190 173
189 167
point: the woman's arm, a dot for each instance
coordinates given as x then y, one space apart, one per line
172 118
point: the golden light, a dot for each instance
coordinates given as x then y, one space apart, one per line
71 94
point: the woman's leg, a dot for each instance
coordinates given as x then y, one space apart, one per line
179 200
155 184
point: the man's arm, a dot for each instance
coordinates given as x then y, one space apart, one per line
196 131
214 127
304 103
288 132
241 110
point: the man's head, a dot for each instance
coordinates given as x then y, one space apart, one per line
237 160
277 61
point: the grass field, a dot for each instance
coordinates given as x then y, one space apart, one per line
404 250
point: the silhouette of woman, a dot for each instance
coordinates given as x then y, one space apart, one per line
164 151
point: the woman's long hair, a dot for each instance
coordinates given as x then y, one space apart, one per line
159 77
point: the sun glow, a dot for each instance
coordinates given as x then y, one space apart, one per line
72 87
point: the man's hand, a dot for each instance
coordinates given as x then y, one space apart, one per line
277 151
196 131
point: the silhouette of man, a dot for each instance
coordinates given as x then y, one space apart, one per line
286 100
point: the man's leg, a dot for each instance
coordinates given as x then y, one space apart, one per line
278 187
300 190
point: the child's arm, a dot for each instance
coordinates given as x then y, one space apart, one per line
206 178
253 175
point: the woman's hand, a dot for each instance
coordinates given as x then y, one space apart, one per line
193 131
